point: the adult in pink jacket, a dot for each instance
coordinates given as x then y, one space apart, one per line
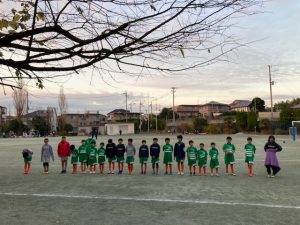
63 151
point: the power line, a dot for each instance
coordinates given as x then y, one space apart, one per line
173 89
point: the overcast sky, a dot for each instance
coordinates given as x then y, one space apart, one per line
276 37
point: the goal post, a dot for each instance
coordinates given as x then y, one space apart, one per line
293 130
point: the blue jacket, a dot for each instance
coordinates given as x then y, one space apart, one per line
111 150
144 151
120 150
179 150
154 150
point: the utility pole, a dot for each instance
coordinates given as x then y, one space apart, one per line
173 93
140 116
271 92
126 97
156 115
148 115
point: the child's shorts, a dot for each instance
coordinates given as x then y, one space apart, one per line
249 159
155 160
143 160
83 158
168 158
92 161
192 162
120 159
130 159
214 163
229 159
101 159
180 160
112 160
202 162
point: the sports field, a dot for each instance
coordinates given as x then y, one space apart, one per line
145 199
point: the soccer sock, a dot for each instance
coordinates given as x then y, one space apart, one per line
182 166
178 166
153 166
94 167
226 168
250 169
190 169
25 167
217 170
145 166
199 169
122 166
194 168
232 168
170 168
109 167
166 168
74 168
119 166
204 170
211 171
156 167
28 167
131 167
113 166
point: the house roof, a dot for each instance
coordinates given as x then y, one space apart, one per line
36 113
296 106
214 103
240 103
119 111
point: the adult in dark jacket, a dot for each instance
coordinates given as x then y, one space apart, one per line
154 153
271 161
111 152
179 154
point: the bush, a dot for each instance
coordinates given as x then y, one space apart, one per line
279 131
213 129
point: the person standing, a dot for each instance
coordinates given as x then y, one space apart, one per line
46 154
271 161
64 151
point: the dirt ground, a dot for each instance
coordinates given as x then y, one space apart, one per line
146 199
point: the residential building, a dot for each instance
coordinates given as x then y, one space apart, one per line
84 123
241 106
211 108
296 106
119 128
49 115
3 115
121 115
186 110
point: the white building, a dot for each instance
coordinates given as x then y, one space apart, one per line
115 128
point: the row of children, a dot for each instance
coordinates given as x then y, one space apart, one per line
89 155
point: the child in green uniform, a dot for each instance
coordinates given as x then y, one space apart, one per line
83 156
202 159
191 154
101 157
92 156
27 156
214 161
74 158
229 150
143 155
130 151
249 155
168 152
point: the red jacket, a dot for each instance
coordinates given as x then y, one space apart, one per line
63 149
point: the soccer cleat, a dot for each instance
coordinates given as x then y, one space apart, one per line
269 175
233 174
205 174
112 172
191 174
166 173
217 175
194 174
153 173
179 173
211 174
273 176
250 175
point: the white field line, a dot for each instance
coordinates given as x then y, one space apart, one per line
202 202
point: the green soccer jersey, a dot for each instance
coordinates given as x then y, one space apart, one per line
214 153
74 156
228 148
92 152
250 150
168 149
82 150
201 154
191 152
101 152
